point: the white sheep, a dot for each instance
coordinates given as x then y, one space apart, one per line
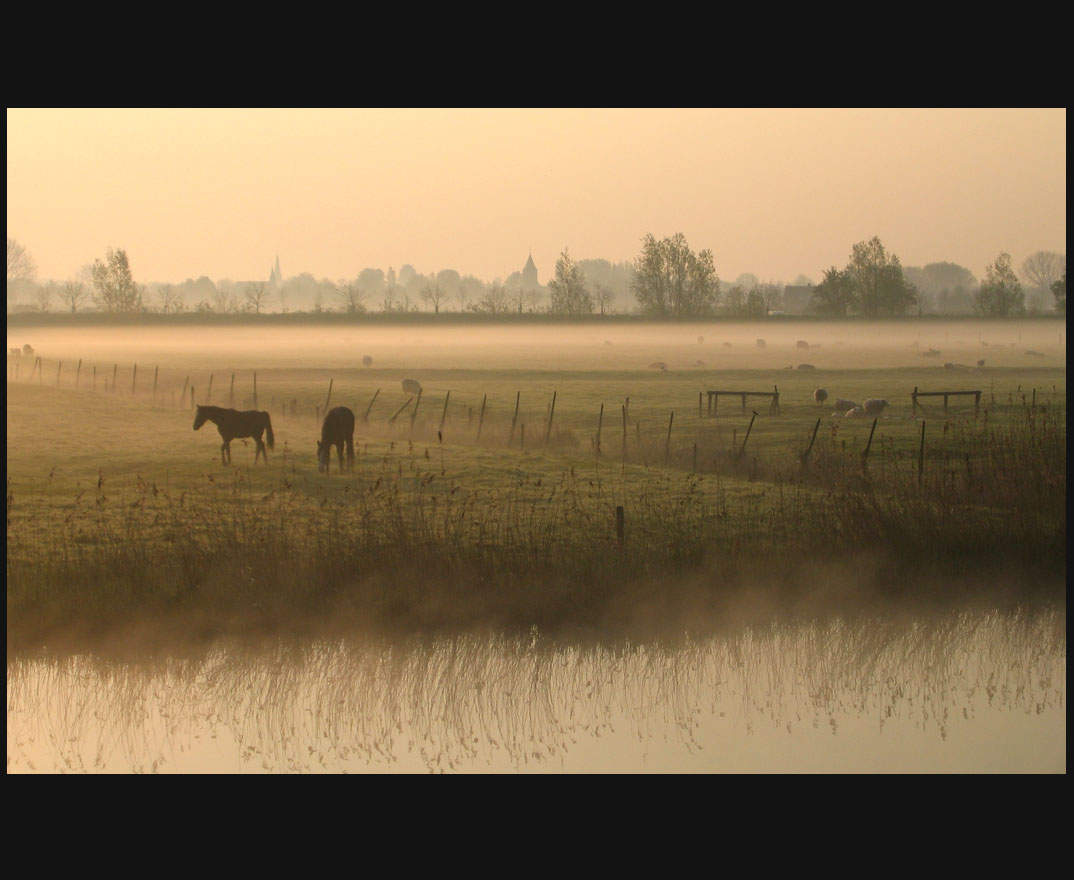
874 406
842 404
411 386
820 395
857 412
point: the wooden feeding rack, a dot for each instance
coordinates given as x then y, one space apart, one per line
945 395
714 399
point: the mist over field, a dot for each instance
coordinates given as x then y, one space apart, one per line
697 347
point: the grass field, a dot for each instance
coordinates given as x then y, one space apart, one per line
119 512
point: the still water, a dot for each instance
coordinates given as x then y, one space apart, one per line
980 691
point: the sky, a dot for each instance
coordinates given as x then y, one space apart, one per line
774 192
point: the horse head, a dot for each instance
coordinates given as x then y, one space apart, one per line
324 453
200 418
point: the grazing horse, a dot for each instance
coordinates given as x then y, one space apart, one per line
338 429
231 424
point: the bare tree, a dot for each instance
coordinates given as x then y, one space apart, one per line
1043 268
522 298
225 298
350 297
603 297
42 296
20 265
463 296
494 301
257 294
434 295
74 293
171 300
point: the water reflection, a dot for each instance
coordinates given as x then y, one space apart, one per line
974 691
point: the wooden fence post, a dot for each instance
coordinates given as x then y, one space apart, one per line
78 372
667 443
600 425
921 455
209 395
328 399
511 436
480 418
414 414
443 415
255 389
192 404
156 370
551 415
742 451
134 378
231 393
865 454
365 418
58 365
115 367
805 457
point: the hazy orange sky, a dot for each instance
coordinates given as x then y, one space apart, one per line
219 192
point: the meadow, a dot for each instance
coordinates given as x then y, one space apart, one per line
461 514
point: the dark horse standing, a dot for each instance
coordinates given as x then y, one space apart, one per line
231 424
338 428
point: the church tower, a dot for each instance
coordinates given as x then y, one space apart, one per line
529 274
275 277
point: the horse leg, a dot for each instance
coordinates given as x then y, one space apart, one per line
350 454
225 453
261 450
339 453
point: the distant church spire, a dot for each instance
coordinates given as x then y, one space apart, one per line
529 273
275 276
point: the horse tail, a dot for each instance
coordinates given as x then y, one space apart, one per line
268 432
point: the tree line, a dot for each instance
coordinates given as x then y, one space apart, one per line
667 279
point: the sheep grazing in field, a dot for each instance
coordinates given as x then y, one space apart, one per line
27 350
874 406
761 343
658 365
411 386
801 343
1038 354
700 363
367 361
980 363
727 345
820 395
843 405
931 353
855 413
806 367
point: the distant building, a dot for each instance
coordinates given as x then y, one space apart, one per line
529 275
796 298
275 276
